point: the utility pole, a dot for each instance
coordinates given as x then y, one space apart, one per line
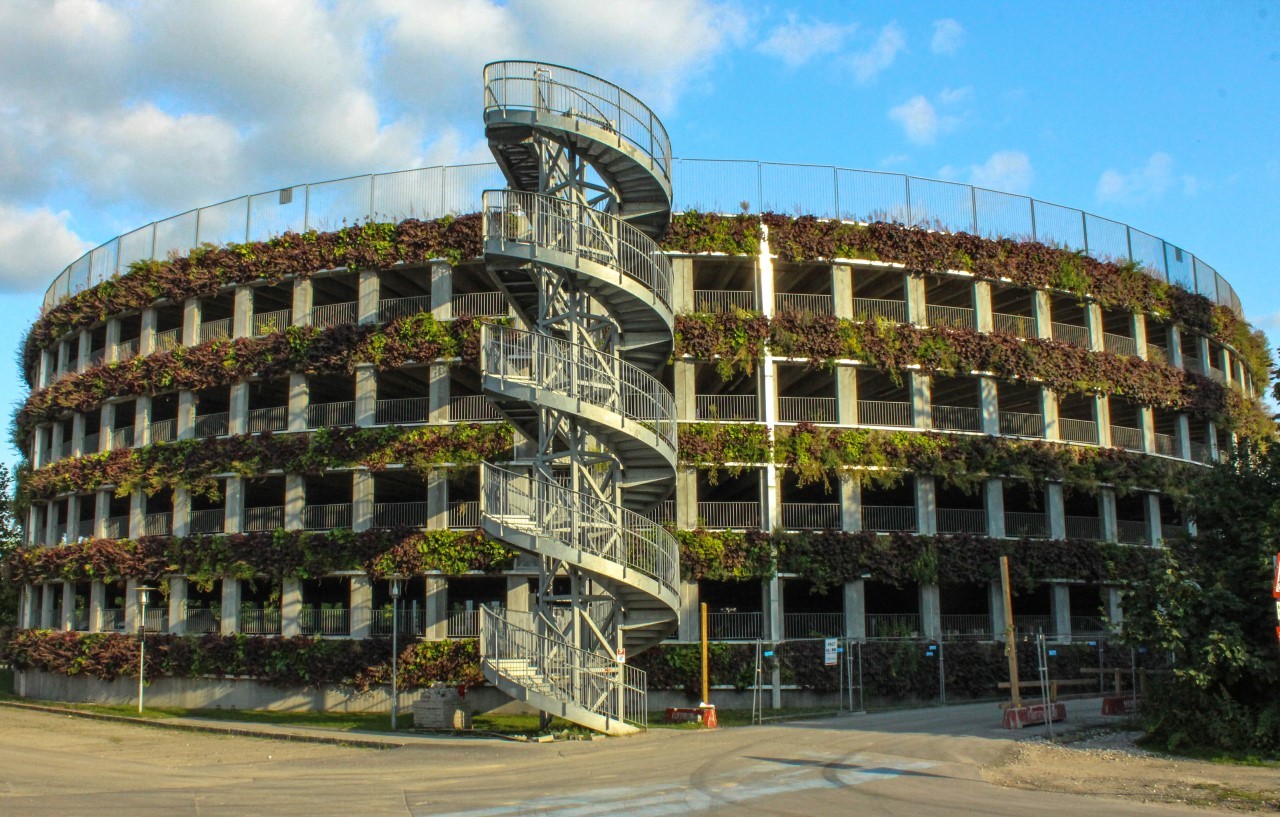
1010 643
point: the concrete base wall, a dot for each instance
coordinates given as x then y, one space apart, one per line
235 693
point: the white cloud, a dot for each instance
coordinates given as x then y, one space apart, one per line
1151 181
868 64
948 36
796 43
1008 171
918 119
33 245
954 96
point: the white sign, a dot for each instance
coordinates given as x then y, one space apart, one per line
622 656
831 649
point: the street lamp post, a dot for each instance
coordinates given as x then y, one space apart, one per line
144 594
395 651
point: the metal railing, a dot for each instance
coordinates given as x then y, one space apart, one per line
1070 333
402 410
594 682
84 529
884 413
1025 626
1017 325
399 514
1026 524
120 438
734 626
96 356
391 309
168 340
63 449
264 518
1119 344
808 409
464 515
157 524
580 372
729 515
813 625
582 522
1131 531
962 520
1088 528
215 330
1088 625
888 518
163 431
472 408
1078 431
213 425
1021 424
271 418
1215 374
664 513
1200 452
962 317
324 621
557 225
326 517
265 323
811 515
1167 444
868 309
1127 438
727 407
466 623
1157 354
724 300
210 520
802 302
331 415
966 625
956 418
113 619
479 305
91 443
412 622
260 620
201 619
328 316
116 527
893 625
126 349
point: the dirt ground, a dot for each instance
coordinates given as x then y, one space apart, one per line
1109 764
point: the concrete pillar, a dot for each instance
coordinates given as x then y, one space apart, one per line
842 290
181 511
366 395
1041 303
1115 613
1093 320
993 499
914 289
1056 510
930 612
186 414
107 419
437 500
1202 351
437 608
68 607
295 498
367 299
39 453
291 607
764 274
921 401
1175 346
137 510
64 357
361 606
846 395
926 506
1049 410
178 605
298 399
84 343
690 611
147 339
97 606
44 373
1184 437
132 619
46 606
1140 333
442 291
361 500
1155 531
77 435
238 409
995 606
990 398
1060 609
242 313
1107 506
101 512
301 301
142 421
686 498
982 306
855 609
233 515
850 503
684 373
24 607
774 615
1102 411
1211 434
191 321
438 393
1147 424
111 353
230 622
682 300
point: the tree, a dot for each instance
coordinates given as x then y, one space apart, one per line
10 541
1208 601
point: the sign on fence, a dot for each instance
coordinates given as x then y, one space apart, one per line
831 649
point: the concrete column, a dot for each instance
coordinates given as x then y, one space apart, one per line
1147 421
77 435
242 313
233 515
989 395
690 611
764 275
771 509
366 394
295 498
1115 613
301 301
913 286
230 622
361 500
1211 434
178 605
65 357
995 607
442 291
137 510
186 414
1107 505
361 606
101 512
51 524
1140 333
437 608
147 339
993 500
1093 320
1102 411
438 393
97 606
686 498
46 606
1184 437
855 609
181 511
298 400
238 409
982 306
24 607
1175 346
846 395
142 421
68 607
682 300
39 454
1041 303
774 615
1155 530
926 506
84 343
367 299
1056 510
850 504
191 321
921 401
1228 372
1049 410
131 607
45 370
1202 351
290 607
930 612
842 290
684 373
107 419
1060 609
111 354
437 500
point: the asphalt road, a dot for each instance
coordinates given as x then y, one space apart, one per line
915 764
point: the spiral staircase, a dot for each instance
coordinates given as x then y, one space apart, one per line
571 244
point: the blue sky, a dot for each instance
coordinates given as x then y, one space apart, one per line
1163 115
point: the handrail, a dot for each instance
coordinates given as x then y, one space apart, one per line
540 86
581 372
513 216
594 682
583 522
